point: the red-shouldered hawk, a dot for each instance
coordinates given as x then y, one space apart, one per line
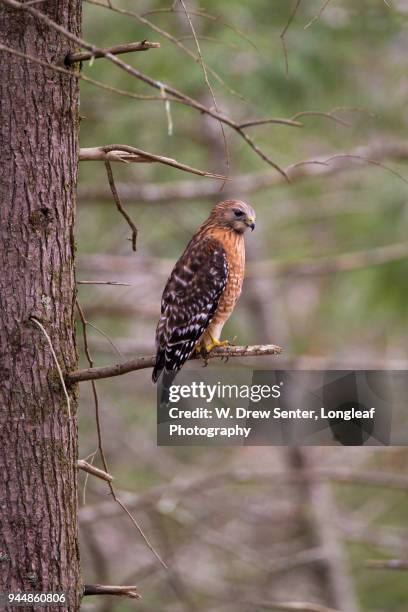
203 287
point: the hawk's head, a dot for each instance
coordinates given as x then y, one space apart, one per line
235 215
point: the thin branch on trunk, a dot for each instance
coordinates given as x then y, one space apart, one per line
116 50
103 589
94 471
149 361
127 154
99 154
95 282
79 75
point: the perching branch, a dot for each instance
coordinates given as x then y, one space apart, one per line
94 471
117 50
103 589
149 361
96 282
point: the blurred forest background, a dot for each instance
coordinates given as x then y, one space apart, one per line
245 529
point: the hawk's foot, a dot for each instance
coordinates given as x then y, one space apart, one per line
214 344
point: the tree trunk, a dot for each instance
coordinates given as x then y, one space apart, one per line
38 440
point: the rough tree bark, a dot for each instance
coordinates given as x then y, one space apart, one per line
38 441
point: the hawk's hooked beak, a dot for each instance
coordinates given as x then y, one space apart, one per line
251 223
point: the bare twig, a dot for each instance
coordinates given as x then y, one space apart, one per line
141 363
92 282
91 469
105 335
293 120
119 204
94 391
363 158
99 154
102 589
329 115
318 15
283 34
278 120
116 50
125 153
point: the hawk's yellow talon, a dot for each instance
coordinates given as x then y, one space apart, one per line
209 347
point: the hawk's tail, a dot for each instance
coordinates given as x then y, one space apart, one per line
165 380
173 356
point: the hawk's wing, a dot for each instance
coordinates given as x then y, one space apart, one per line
189 302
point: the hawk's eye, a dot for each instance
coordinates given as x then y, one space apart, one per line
238 213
